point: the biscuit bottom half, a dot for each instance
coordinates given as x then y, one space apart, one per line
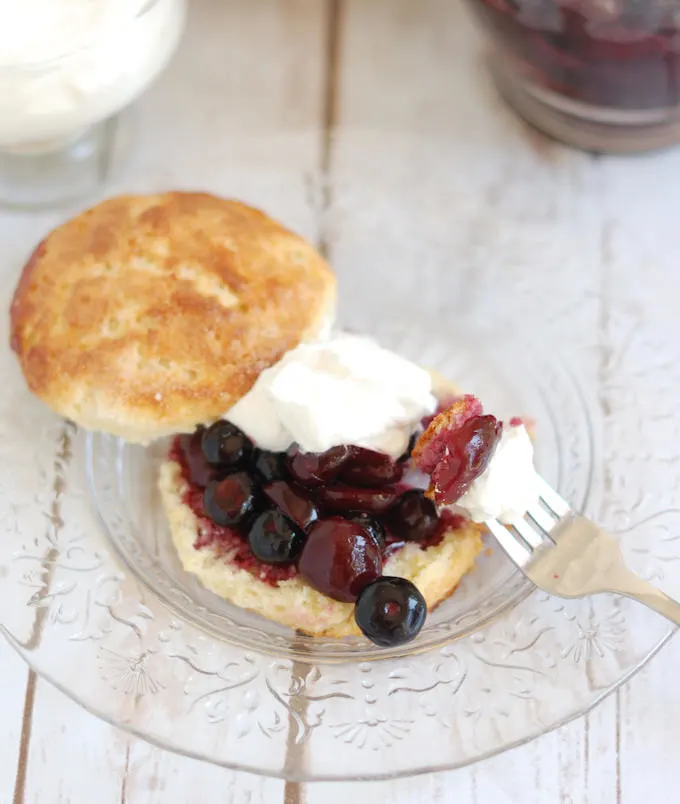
436 570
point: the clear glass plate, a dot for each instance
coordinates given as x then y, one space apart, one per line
92 595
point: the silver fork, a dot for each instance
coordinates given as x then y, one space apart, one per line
567 555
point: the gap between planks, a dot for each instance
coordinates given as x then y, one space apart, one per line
26 725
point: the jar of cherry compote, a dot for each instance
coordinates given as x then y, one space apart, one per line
603 75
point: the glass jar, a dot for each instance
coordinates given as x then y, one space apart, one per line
56 132
603 75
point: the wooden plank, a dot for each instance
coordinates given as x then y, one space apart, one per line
18 235
157 777
238 112
641 276
75 758
417 120
72 757
549 769
649 707
398 80
638 198
598 774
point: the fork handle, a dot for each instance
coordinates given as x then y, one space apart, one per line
631 585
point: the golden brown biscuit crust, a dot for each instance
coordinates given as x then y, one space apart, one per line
146 315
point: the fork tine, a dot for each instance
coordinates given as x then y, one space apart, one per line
546 521
530 535
516 551
552 499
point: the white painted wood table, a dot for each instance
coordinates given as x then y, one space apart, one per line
325 66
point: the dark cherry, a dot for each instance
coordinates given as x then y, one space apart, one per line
414 517
316 468
353 498
435 441
269 466
365 467
199 470
390 611
230 501
371 525
274 539
226 446
294 502
340 558
469 450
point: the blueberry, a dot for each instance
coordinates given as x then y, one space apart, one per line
230 501
413 517
269 466
390 611
372 525
225 445
275 539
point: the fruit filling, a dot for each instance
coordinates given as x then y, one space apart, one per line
620 55
456 448
331 518
260 509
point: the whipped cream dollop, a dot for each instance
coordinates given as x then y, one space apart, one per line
342 390
509 485
67 64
